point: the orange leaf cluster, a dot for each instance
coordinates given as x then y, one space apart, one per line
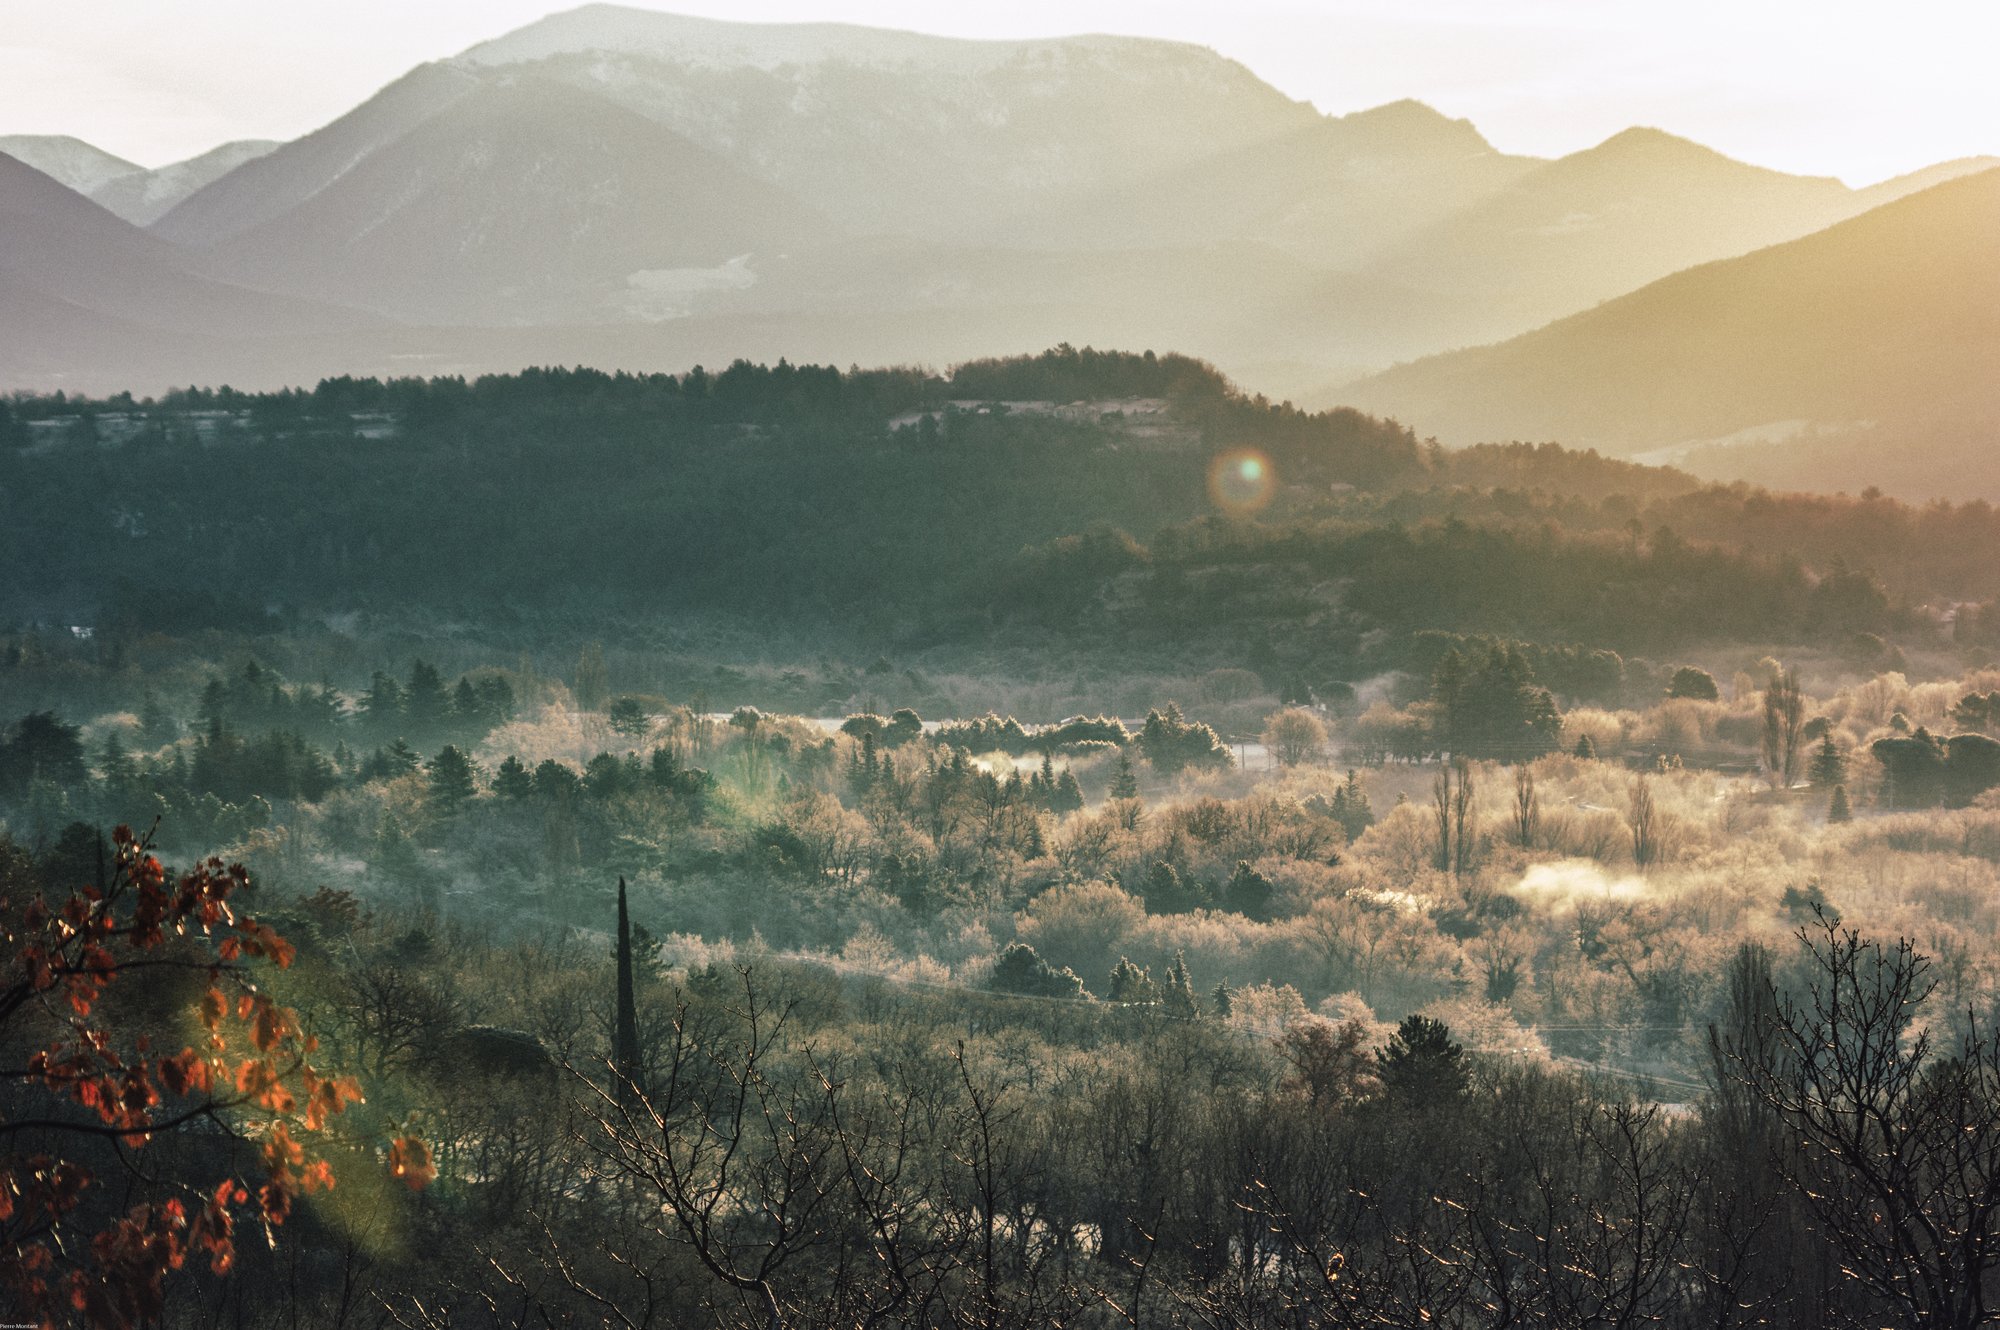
61 961
410 1160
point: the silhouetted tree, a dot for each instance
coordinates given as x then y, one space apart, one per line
1695 684
1784 717
453 779
1125 782
1527 807
625 1062
1178 996
628 717
512 780
1422 1063
1131 984
1248 893
1020 969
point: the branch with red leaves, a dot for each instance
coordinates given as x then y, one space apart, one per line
249 1072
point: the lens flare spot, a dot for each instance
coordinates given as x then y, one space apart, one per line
1241 481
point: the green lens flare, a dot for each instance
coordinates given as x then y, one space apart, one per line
1241 481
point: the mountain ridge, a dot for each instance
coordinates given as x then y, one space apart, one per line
729 43
68 160
145 196
1891 316
86 289
614 196
846 193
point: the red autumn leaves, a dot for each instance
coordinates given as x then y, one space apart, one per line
251 1070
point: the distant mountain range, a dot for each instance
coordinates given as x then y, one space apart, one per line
1885 326
642 190
132 192
86 295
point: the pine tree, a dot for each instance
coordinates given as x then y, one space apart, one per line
512 780
426 704
1179 999
496 700
116 764
1828 766
1350 807
1068 796
382 704
1020 969
625 1041
863 768
1690 682
397 858
1221 1000
1125 785
556 780
453 781
465 708
1131 984
1248 893
399 759
1838 811
214 704
1422 1062
1167 892
155 721
628 716
1585 749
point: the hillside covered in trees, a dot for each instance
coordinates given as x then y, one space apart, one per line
1096 500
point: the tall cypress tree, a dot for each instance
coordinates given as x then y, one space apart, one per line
625 1043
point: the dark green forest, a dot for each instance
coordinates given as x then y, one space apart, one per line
1068 493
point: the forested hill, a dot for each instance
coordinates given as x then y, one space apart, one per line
1111 499
855 496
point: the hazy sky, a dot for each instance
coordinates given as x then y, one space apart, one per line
1859 90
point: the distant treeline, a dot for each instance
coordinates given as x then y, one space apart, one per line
918 503
743 392
1321 590
796 488
1922 551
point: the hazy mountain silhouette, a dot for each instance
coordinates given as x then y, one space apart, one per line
143 197
903 133
81 166
525 201
881 131
639 187
1602 222
1890 320
135 193
83 290
1899 186
1331 193
274 184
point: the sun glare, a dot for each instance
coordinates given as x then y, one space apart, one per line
1241 481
